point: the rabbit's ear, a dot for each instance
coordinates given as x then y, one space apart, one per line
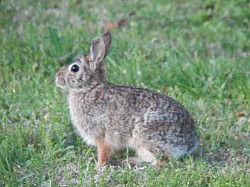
97 52
107 41
99 49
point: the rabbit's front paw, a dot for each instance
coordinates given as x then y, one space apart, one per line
104 152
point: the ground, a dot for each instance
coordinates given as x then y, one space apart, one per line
197 52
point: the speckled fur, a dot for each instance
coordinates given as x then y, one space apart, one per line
111 116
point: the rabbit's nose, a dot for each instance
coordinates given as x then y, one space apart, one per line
58 74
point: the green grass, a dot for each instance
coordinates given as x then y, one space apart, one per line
197 52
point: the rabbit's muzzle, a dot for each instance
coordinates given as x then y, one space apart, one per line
60 81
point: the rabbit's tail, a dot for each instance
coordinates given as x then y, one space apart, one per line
194 147
184 150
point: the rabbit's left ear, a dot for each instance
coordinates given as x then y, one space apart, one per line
107 41
99 49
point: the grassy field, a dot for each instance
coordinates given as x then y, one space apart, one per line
197 52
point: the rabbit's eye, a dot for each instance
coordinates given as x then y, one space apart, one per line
75 68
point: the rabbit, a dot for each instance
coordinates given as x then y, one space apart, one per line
112 117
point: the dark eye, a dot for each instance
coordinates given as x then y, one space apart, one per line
75 68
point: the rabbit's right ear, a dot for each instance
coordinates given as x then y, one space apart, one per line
98 49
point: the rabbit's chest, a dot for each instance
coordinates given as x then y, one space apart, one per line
89 121
88 129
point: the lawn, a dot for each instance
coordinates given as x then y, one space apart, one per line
197 52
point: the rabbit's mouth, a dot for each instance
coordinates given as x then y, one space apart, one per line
60 82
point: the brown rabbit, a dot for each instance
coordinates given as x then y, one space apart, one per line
111 116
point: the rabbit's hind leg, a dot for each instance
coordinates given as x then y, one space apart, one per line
133 161
144 155
148 156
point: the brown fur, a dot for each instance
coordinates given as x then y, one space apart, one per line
104 152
